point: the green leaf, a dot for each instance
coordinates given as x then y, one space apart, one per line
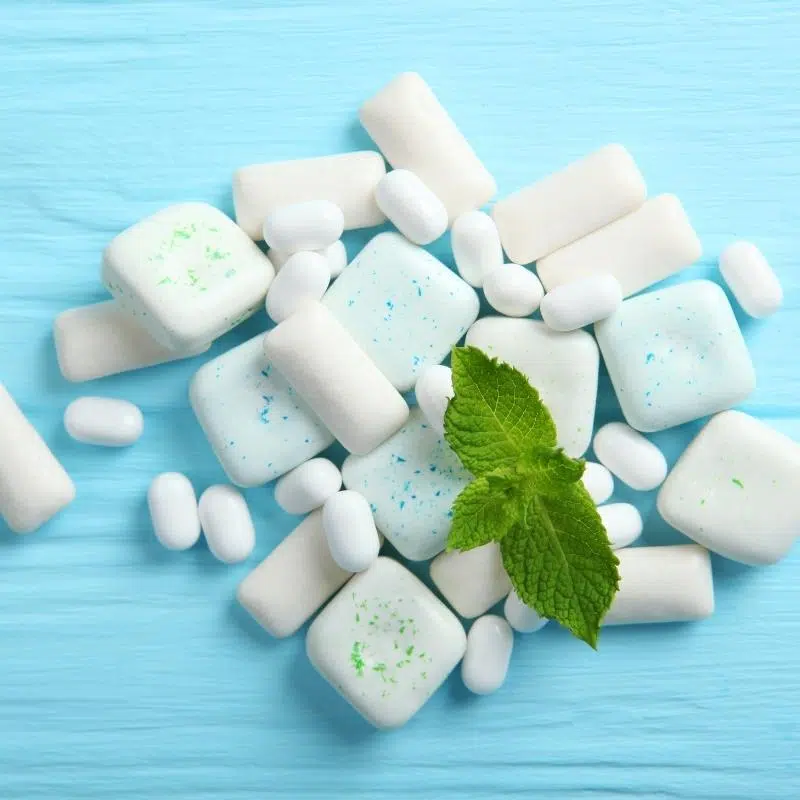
549 468
559 559
484 511
496 416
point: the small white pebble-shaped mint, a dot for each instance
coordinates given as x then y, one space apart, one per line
411 206
476 246
579 303
303 278
173 511
489 644
598 481
227 524
350 531
522 618
751 279
623 523
634 459
103 421
512 290
335 254
433 390
308 486
313 225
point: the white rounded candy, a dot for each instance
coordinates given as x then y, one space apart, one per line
335 254
103 421
303 278
350 531
751 279
173 511
512 290
520 617
308 486
623 523
476 246
226 523
433 391
489 644
578 303
634 459
313 225
598 482
411 206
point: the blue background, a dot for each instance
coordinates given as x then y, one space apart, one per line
128 671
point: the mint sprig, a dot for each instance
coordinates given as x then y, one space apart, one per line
527 495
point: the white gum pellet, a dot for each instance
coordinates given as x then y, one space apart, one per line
490 642
227 524
334 376
313 225
308 486
303 278
579 303
569 204
173 511
433 390
512 290
476 246
335 254
522 618
103 421
101 339
348 180
411 206
599 482
751 279
33 485
413 131
662 584
634 459
640 249
623 523
350 531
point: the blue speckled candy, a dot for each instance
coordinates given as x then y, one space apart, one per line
676 355
411 482
256 424
403 306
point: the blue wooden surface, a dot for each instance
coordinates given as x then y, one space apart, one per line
128 672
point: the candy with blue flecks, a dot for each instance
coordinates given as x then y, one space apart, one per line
402 306
675 355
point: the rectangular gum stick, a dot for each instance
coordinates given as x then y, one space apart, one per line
569 204
33 485
640 249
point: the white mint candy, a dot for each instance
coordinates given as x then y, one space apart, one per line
303 278
512 290
598 482
350 531
623 523
386 643
640 249
434 390
103 421
188 274
328 369
411 206
662 584
476 246
751 279
413 131
308 486
489 644
570 204
335 254
580 303
522 618
736 490
312 225
634 459
173 511
227 524
33 485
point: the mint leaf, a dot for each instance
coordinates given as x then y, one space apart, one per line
549 468
496 416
